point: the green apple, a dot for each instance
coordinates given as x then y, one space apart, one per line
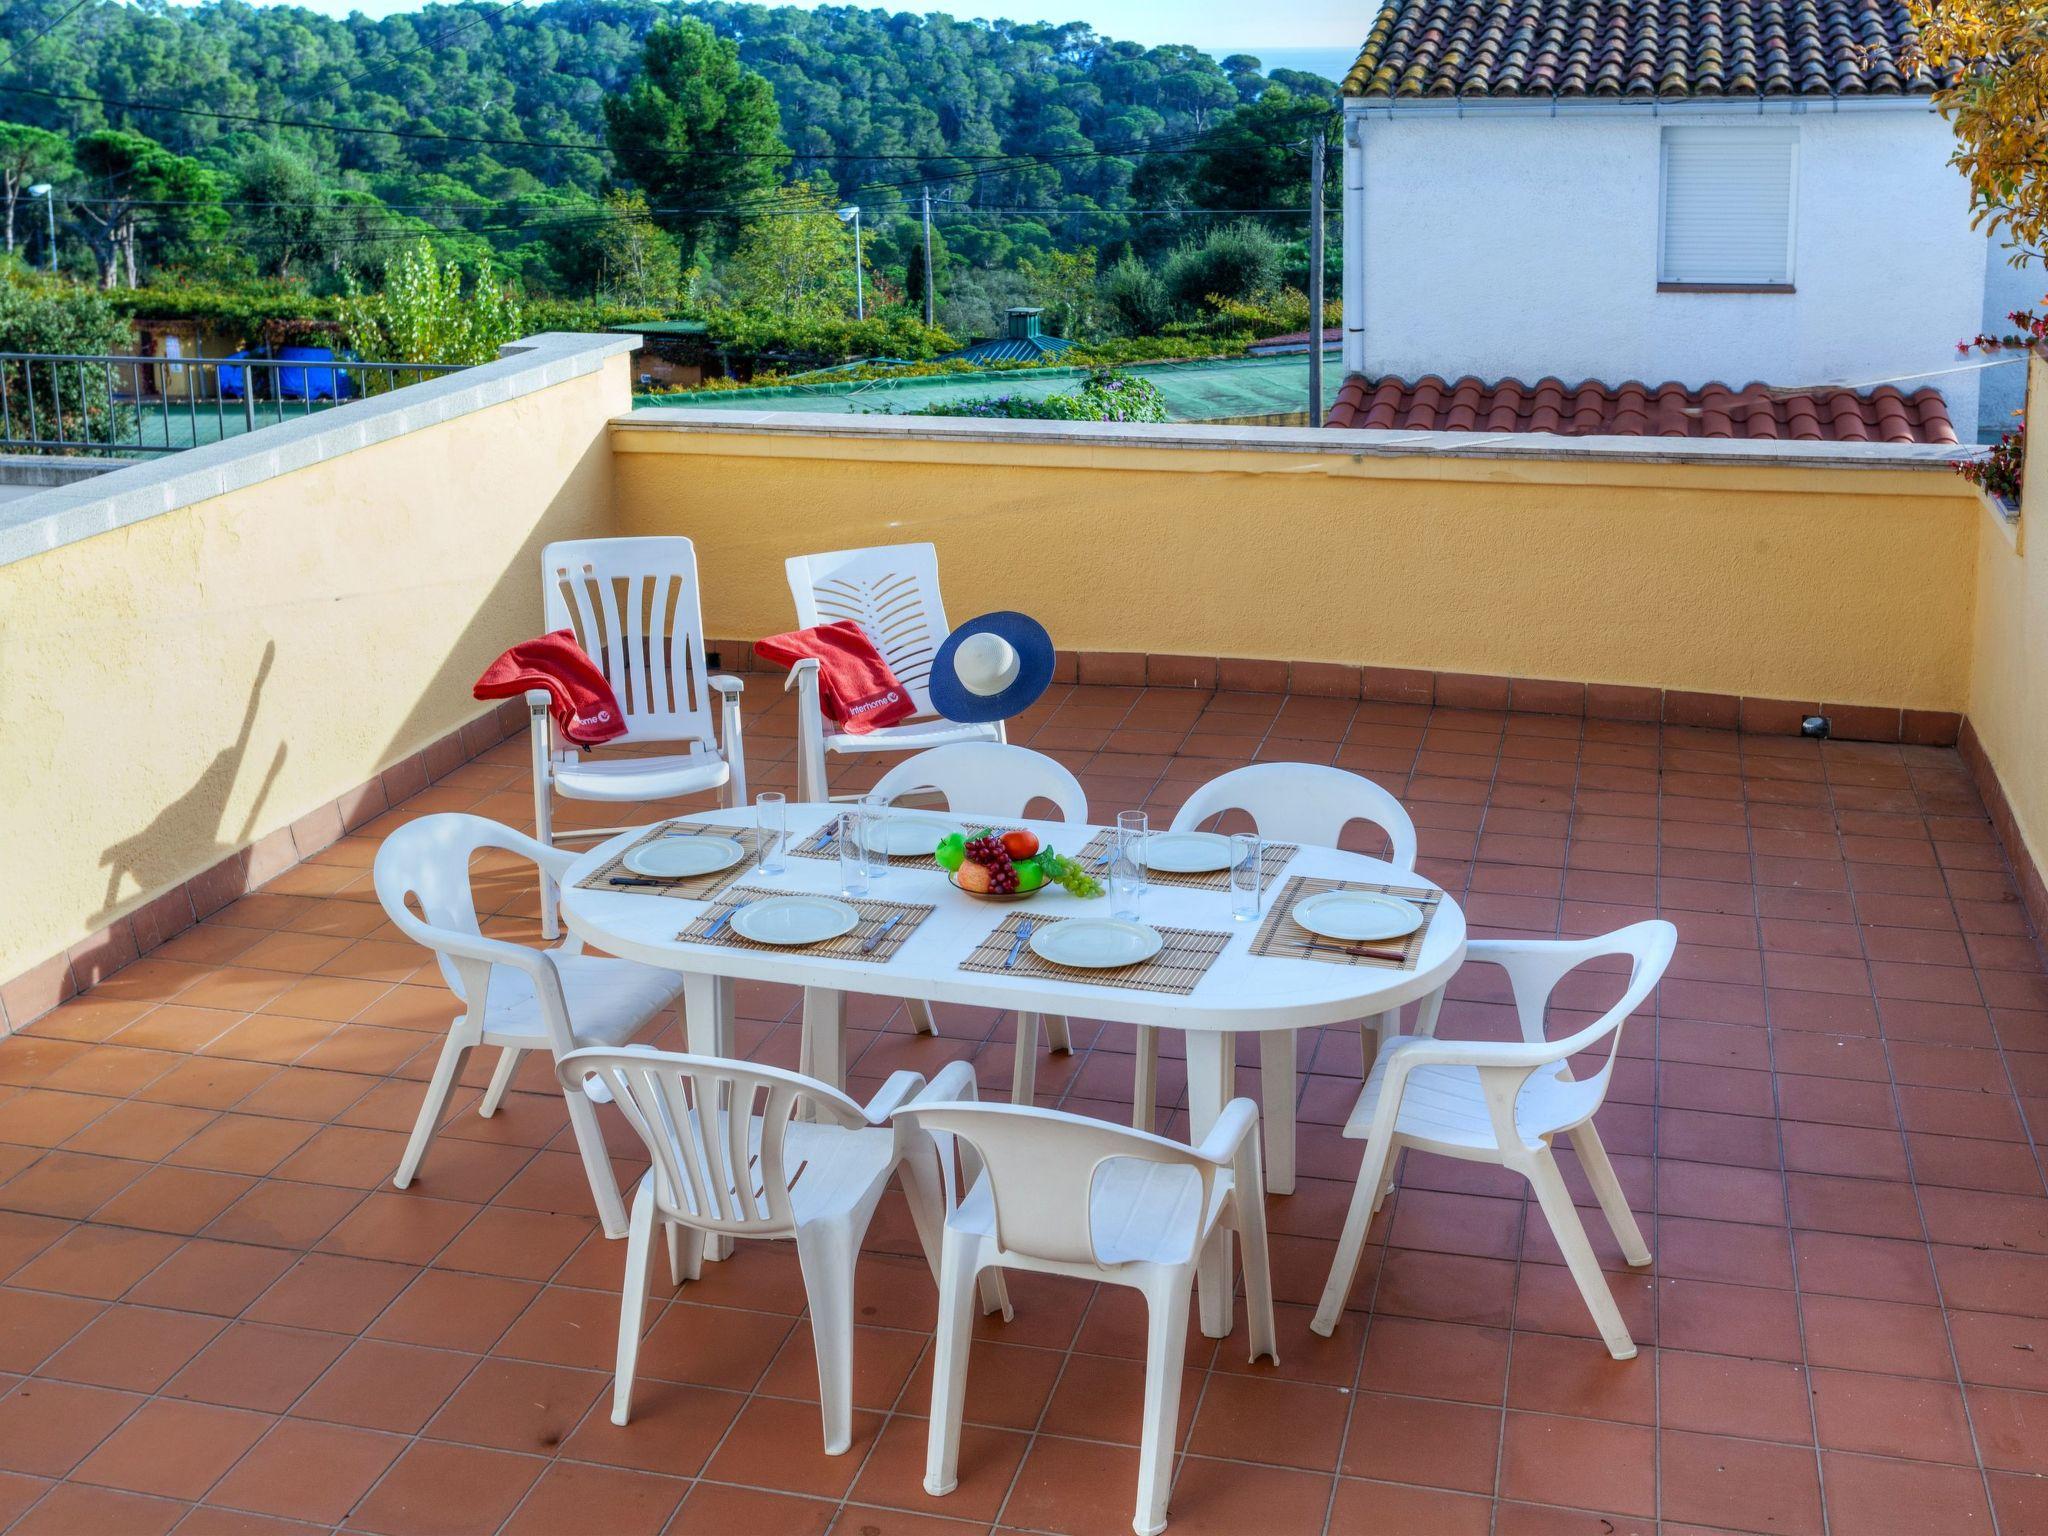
1030 874
951 852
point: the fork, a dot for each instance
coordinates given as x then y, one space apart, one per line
1023 933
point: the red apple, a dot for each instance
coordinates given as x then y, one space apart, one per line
974 877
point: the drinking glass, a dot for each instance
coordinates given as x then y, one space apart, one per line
874 810
771 825
1127 864
853 857
1247 876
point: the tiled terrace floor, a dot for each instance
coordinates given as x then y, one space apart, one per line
215 1308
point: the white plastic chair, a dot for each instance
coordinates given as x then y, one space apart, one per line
513 997
634 606
1500 1102
999 781
1289 803
892 592
1064 1195
731 1156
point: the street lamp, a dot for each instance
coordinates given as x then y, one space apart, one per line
851 214
48 194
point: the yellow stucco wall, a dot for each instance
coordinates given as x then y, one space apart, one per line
1831 585
177 688
2009 688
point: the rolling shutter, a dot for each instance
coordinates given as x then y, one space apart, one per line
1727 214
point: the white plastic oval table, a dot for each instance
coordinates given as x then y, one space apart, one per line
1241 993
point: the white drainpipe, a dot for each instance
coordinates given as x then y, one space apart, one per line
1354 240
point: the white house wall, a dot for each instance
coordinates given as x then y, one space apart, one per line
1520 244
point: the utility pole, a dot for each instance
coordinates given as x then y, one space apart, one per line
929 310
1315 280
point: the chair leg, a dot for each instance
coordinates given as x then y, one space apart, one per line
1166 1344
949 1363
597 1162
1344 1268
1607 1190
501 1079
1277 1088
825 1251
453 1052
921 1019
1216 1286
1024 1065
543 817
1145 1080
1556 1199
1059 1034
1258 1276
633 1299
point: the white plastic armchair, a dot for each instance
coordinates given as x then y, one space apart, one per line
1061 1194
1307 803
513 997
1507 1102
892 592
744 1151
635 609
999 781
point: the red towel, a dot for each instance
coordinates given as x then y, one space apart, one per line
584 708
856 689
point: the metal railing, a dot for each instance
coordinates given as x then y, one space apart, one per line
103 404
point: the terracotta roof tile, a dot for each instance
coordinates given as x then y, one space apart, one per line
1593 409
1639 49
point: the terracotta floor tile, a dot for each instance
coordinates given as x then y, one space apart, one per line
1739 1484
71 1508
454 1311
254 1366
96 1261
250 1144
713 1510
782 1443
1875 1496
1581 1463
33 1324
181 1200
447 1490
1877 1336
1223 1496
1418 1440
139 1129
49 1427
1435 1360
134 1349
2001 1351
173 1449
1392 1509
522 1245
573 1496
512 1405
1280 1423
331 1292
1722 1394
215 1277
673 1430
306 1471
279 1214
893 1475
1100 1398
377 1385
1578 1377
720 1347
403 1227
1891 1416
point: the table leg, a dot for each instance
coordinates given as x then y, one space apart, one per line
708 1031
1024 1063
1277 1088
825 1036
1212 1077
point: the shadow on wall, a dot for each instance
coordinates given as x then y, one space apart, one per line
158 855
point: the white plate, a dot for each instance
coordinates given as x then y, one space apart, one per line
794 919
671 858
1095 943
1357 915
1187 853
900 836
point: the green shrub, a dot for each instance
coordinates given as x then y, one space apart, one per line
422 315
1134 298
1241 260
40 314
1106 396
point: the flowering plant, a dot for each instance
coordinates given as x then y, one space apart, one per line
1999 472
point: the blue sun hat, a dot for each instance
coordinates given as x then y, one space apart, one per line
991 668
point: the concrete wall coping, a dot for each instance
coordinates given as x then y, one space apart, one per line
50 519
1347 442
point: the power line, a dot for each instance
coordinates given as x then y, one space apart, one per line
28 46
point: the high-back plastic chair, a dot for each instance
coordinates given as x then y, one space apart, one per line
892 592
635 609
1061 1194
1507 1102
999 781
746 1151
513 997
1309 803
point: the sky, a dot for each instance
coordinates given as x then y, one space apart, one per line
1213 24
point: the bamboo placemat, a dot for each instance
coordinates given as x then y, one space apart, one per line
1279 933
1177 968
822 844
1275 858
873 916
696 887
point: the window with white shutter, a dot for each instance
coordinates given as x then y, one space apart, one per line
1726 215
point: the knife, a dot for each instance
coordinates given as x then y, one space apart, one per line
873 940
1356 953
658 884
712 931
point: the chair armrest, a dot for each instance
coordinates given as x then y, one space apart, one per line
952 1084
804 670
538 698
1240 1118
892 1095
725 683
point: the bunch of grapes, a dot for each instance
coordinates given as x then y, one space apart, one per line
1069 873
986 849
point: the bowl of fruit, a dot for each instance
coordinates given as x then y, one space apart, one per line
1009 866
